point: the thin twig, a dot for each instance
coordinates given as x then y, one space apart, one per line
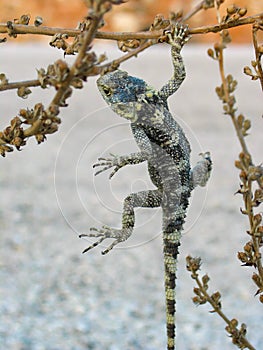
88 36
195 10
202 296
94 71
257 54
225 93
50 31
18 84
227 25
227 100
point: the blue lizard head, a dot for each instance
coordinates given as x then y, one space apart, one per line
121 91
119 87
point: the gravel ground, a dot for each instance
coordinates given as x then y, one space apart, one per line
51 296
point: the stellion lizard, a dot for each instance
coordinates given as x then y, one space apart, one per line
164 146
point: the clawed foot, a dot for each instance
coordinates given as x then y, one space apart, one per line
107 163
201 172
104 233
178 36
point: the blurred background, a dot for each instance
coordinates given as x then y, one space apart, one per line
132 16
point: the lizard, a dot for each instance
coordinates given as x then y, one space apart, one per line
164 146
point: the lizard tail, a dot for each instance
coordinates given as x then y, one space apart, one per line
171 245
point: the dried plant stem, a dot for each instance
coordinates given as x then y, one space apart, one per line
219 311
94 71
258 54
202 297
130 54
253 233
45 121
227 99
230 24
18 84
88 36
50 31
194 11
152 35
249 172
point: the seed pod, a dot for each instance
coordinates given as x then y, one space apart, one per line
38 21
242 11
231 9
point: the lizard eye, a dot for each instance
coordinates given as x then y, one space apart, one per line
107 90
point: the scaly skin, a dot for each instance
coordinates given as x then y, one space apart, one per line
164 146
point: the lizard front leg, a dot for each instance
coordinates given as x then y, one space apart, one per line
151 199
118 162
177 37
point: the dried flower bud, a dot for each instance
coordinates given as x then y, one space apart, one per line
3 79
23 92
47 122
233 323
246 125
211 53
243 176
158 20
240 120
23 113
24 19
218 46
193 264
248 247
205 279
53 111
196 300
243 329
257 280
231 9
4 149
15 122
216 297
242 11
257 219
197 291
255 172
38 110
53 127
40 138
38 21
77 83
18 142
242 257
238 164
248 71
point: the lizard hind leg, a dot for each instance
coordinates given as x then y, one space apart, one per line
201 172
147 199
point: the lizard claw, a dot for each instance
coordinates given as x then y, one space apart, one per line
104 233
108 163
178 35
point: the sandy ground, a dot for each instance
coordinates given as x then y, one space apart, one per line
51 296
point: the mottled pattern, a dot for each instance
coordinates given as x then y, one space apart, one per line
164 146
